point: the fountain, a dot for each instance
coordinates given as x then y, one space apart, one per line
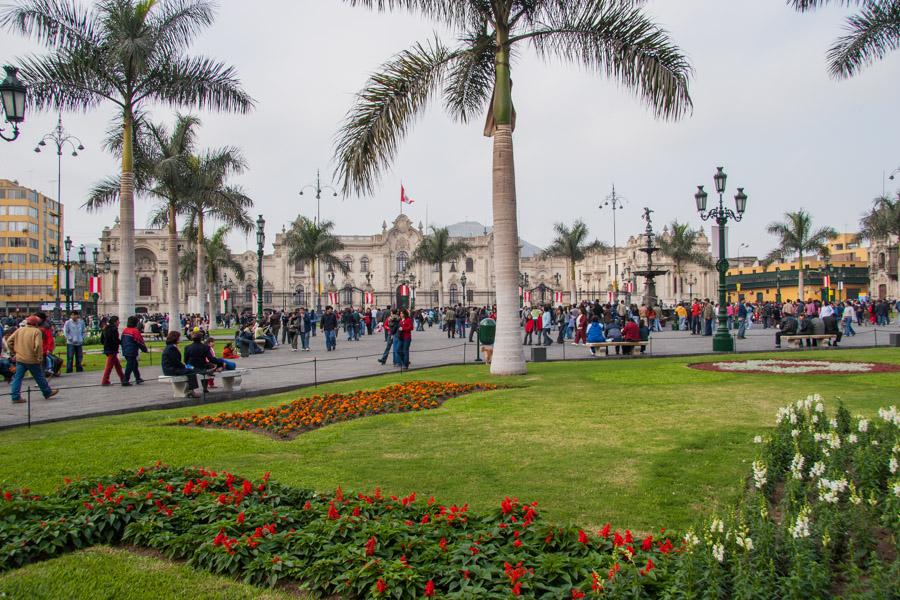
649 274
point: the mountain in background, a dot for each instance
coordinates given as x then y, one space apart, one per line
474 229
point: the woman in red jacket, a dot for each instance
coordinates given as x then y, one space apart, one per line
405 335
581 323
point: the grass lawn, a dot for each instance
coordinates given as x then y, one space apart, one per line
642 443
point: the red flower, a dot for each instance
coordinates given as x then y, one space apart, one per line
307 505
650 566
403 561
576 594
240 518
582 537
517 543
370 546
443 544
425 519
247 488
276 559
381 585
605 531
222 499
666 547
549 537
517 589
333 514
466 574
474 550
615 569
356 511
429 589
220 539
596 586
339 494
266 476
618 540
647 544
506 506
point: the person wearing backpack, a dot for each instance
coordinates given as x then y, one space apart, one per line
132 345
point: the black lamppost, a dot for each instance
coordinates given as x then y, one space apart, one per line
93 269
226 283
412 290
615 203
722 341
260 241
13 95
462 280
318 189
68 267
692 281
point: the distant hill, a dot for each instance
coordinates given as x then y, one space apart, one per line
474 229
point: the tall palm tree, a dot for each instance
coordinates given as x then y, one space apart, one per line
572 245
132 54
314 243
870 34
436 249
882 221
161 171
218 259
796 236
209 196
610 37
681 246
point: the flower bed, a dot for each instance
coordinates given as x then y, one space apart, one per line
820 518
305 414
796 367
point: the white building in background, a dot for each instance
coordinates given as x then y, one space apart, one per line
376 265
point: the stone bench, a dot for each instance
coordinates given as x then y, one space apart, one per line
798 338
231 381
607 345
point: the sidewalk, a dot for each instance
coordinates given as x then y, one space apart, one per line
282 370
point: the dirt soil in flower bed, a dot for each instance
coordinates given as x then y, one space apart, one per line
772 368
287 421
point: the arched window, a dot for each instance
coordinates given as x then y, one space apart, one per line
347 296
248 293
364 264
402 261
454 294
470 296
145 287
881 260
300 296
300 266
470 265
453 266
348 263
435 297
267 297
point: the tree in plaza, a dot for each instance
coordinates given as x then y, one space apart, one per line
572 245
160 171
871 34
796 236
882 221
681 246
436 249
209 196
130 53
610 37
218 259
314 243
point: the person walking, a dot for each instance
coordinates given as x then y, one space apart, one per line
847 318
581 324
329 324
405 336
26 344
391 325
73 330
109 337
743 319
132 345
303 327
546 324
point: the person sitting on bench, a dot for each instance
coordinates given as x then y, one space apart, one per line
595 334
831 328
806 328
787 326
198 355
613 333
173 367
630 333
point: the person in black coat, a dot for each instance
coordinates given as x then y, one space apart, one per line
200 357
173 367
109 337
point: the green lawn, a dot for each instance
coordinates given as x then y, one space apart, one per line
642 443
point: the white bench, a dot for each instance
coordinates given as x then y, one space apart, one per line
797 338
607 345
231 381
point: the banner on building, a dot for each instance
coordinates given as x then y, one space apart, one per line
95 285
403 290
526 297
368 298
333 298
611 297
558 297
225 295
826 281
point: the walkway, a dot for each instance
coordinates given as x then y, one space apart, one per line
282 370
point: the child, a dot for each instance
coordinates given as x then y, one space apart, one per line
228 352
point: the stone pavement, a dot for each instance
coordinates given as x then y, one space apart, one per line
282 370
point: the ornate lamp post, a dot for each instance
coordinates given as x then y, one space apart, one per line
615 203
722 341
692 281
13 97
778 285
260 241
226 283
318 189
93 269
462 280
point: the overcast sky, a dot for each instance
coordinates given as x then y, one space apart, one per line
764 108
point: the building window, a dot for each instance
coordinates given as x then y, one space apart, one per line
453 266
348 263
402 261
454 294
435 297
435 268
347 296
145 287
300 266
300 296
470 265
470 296
248 293
364 264
267 297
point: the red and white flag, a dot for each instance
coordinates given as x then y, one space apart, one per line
369 298
558 297
403 290
95 285
404 199
225 295
826 281
526 297
333 298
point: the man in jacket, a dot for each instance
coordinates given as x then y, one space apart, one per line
132 345
200 357
709 316
329 324
27 345
74 332
787 326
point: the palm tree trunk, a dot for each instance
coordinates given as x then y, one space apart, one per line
126 281
441 285
174 270
213 302
800 289
573 288
508 357
201 267
315 283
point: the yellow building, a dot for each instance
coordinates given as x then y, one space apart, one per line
846 270
29 223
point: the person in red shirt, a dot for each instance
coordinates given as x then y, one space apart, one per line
405 335
630 333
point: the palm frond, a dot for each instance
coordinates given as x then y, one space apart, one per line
470 79
196 81
871 34
384 110
104 193
52 23
177 22
807 5
452 12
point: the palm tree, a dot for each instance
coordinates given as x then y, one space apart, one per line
796 237
871 34
438 248
210 197
161 171
314 243
681 246
218 259
132 54
610 37
571 245
882 221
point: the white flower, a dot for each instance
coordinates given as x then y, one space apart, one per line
800 528
897 489
744 542
815 419
797 466
863 425
890 415
817 470
759 474
874 442
690 539
834 440
820 407
852 438
830 490
718 552
717 526
758 440
833 423
793 418
892 465
795 433
819 436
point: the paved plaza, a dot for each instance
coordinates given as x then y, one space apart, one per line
282 370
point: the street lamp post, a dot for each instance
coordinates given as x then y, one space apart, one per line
60 138
68 266
260 241
778 285
692 281
722 341
93 269
318 189
615 203
13 97
462 280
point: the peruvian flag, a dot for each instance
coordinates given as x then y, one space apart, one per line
369 298
520 291
404 199
404 290
826 281
95 284
225 295
558 297
333 298
526 297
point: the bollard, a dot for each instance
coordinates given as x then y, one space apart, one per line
28 395
464 351
876 336
315 372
